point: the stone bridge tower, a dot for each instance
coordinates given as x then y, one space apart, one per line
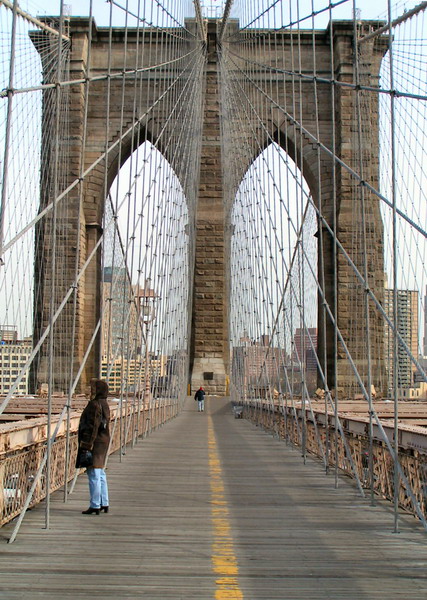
214 208
210 339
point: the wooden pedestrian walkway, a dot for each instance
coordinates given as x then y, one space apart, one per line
211 507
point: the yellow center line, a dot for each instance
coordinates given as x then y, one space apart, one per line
224 562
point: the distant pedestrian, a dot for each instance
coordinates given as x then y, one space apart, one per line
94 439
200 397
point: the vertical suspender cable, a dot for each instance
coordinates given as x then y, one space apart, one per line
303 362
53 265
294 133
124 286
107 302
333 177
361 195
395 282
133 355
78 252
321 250
334 247
141 406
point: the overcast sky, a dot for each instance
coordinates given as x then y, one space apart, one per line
369 9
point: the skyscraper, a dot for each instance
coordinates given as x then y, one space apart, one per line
14 354
407 327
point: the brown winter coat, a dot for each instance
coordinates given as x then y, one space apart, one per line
92 434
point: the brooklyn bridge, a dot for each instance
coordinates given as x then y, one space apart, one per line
228 195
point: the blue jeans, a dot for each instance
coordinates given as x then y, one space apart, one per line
98 488
201 405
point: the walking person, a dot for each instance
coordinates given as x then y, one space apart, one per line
200 397
94 439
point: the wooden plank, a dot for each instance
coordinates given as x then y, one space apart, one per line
293 535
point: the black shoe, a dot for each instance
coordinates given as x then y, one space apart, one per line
104 508
91 511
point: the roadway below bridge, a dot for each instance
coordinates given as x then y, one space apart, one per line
212 507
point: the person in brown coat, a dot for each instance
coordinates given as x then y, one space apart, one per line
94 439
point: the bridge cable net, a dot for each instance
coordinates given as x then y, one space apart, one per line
86 241
324 168
318 160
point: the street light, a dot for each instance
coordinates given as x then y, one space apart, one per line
147 310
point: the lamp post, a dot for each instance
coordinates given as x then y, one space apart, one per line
147 303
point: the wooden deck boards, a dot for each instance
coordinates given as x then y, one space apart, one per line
293 535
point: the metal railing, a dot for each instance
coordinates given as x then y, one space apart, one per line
350 453
19 464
